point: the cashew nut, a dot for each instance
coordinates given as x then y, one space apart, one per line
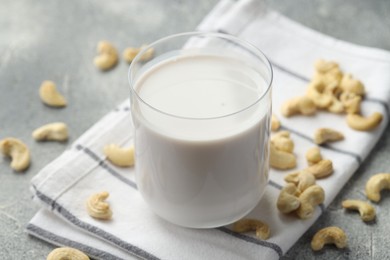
107 56
51 132
310 198
283 142
323 66
328 71
50 96
298 105
245 225
302 179
329 235
67 253
130 53
18 152
280 159
351 102
336 106
275 123
316 92
323 135
288 200
349 84
120 156
366 210
361 123
97 207
322 169
376 184
313 155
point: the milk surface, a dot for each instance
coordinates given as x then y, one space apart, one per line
200 137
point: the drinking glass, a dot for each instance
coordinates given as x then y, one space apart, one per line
201 109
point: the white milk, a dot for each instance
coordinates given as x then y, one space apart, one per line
200 162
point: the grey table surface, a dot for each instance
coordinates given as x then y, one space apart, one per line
56 40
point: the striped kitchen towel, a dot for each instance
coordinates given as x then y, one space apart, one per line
135 232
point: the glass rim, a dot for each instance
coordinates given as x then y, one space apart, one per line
243 43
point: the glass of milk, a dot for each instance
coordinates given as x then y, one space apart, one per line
201 109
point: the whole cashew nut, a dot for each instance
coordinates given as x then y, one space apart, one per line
349 84
51 132
361 123
366 210
316 92
130 53
67 253
50 96
351 102
299 105
122 157
245 225
323 66
282 141
302 179
376 184
329 74
336 106
97 207
18 152
324 135
288 200
108 56
280 159
322 169
329 235
310 198
313 155
275 123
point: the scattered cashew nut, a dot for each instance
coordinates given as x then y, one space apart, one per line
324 135
245 225
349 84
323 66
275 123
329 235
322 169
298 105
65 253
376 184
18 152
51 132
366 210
351 102
97 207
313 155
288 200
283 142
336 106
310 198
280 159
361 123
302 179
130 53
108 56
120 156
50 96
316 93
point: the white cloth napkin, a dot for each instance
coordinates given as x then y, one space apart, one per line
63 186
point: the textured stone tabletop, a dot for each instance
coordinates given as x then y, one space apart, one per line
56 40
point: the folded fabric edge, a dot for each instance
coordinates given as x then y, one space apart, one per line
54 239
63 213
83 226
